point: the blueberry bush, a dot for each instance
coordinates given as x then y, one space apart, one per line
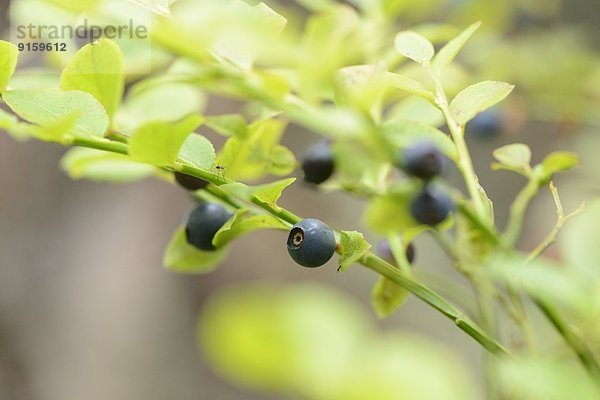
390 101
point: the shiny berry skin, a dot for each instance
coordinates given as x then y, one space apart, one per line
431 206
424 160
190 182
203 223
318 164
311 243
384 251
486 124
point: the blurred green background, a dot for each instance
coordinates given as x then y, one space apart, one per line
88 312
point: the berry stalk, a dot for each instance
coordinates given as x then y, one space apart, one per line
370 260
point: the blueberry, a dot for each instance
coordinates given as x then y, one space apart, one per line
190 182
311 243
203 223
318 164
424 160
485 124
431 206
384 251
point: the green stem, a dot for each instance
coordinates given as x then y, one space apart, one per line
464 157
488 231
102 144
370 260
484 291
584 353
517 211
399 253
435 300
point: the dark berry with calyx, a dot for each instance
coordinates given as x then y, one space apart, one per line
384 251
423 160
431 206
486 124
311 243
318 163
203 223
190 182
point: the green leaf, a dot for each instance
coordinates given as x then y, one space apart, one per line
46 107
414 46
57 131
333 38
97 69
8 62
513 157
166 102
197 151
333 122
361 167
249 29
353 246
269 194
283 339
401 134
159 143
103 166
558 161
579 242
546 378
238 189
316 5
76 6
244 222
228 124
360 86
282 161
10 123
556 284
390 213
477 98
247 158
183 258
409 85
156 6
387 296
416 109
447 54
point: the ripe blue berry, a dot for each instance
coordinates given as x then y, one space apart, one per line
384 251
311 243
190 182
318 164
485 124
424 160
431 206
203 223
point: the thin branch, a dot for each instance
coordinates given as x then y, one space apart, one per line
562 219
370 260
517 211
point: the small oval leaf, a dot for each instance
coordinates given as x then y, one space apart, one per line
186 259
447 54
97 69
477 98
414 46
515 157
353 246
48 106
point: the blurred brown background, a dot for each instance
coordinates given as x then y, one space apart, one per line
88 312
